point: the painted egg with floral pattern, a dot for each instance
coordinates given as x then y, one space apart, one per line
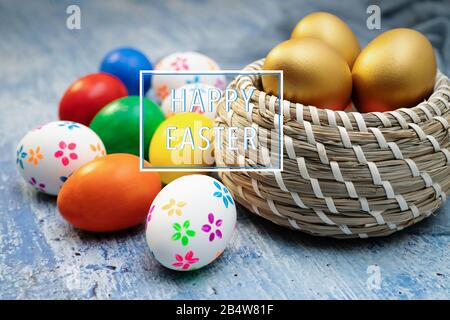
189 227
48 155
199 97
186 62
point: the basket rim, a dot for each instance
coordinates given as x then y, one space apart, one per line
431 108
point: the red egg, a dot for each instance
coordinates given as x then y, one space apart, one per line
86 96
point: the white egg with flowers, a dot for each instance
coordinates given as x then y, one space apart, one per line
186 62
48 155
190 222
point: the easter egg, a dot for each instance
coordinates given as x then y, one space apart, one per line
117 124
179 142
86 96
396 70
185 62
46 156
108 194
331 30
196 99
314 74
125 63
189 227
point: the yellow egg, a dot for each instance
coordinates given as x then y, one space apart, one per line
182 141
331 30
314 74
397 69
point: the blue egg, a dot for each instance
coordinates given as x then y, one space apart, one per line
125 63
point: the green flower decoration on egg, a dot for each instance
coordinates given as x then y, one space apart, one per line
182 232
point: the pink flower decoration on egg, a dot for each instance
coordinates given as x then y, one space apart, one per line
213 228
66 153
180 63
149 215
198 109
39 186
219 83
186 262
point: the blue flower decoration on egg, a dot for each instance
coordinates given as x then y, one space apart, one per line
64 178
21 154
195 80
69 124
224 194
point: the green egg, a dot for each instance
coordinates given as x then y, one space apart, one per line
117 124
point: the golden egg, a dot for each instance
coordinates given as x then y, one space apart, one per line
397 69
313 74
331 30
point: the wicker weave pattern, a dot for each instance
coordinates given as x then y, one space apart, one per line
345 175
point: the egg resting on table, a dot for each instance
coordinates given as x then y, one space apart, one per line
125 63
172 148
88 95
108 194
118 124
190 222
48 155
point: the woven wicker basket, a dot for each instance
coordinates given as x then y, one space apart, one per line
345 175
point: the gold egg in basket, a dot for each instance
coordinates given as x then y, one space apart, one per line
314 73
396 70
331 30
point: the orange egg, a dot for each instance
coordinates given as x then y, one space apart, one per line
108 194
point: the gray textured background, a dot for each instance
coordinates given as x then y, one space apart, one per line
43 257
